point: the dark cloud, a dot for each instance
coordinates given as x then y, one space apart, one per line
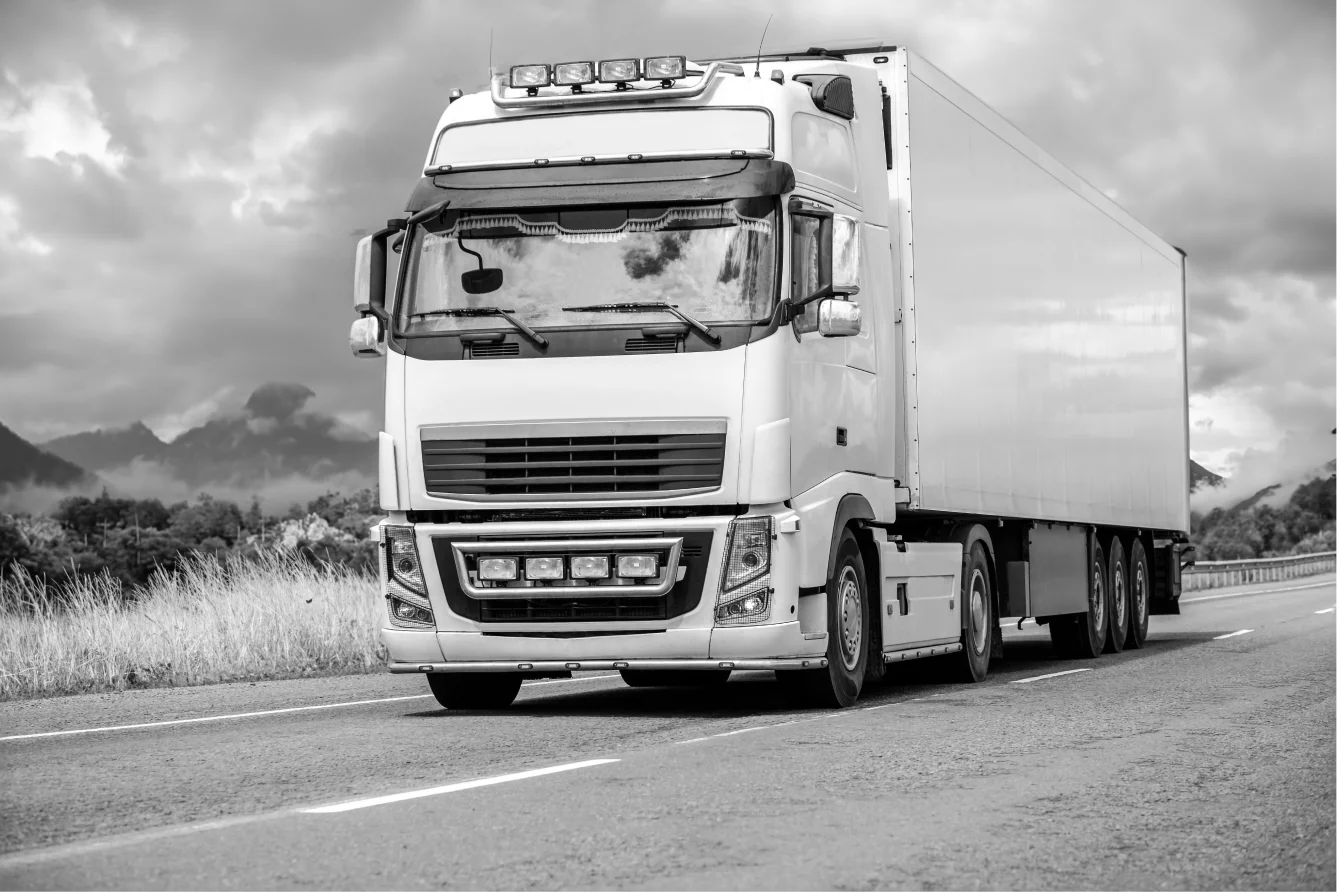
258 139
278 400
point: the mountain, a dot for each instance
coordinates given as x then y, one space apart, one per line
273 436
23 463
112 448
1200 476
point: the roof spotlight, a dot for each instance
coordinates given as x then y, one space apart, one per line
573 74
665 68
530 76
619 71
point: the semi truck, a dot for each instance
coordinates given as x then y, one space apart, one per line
806 362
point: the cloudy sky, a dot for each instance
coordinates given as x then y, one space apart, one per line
181 184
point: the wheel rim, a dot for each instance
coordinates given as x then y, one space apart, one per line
1140 592
979 611
1120 597
851 618
1098 599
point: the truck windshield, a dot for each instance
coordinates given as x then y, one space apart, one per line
714 261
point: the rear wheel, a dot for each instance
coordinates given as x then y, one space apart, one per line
1082 635
847 623
668 678
474 690
1117 577
1139 595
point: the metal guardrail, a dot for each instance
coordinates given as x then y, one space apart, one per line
1219 574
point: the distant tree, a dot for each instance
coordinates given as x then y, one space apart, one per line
1318 496
13 548
207 518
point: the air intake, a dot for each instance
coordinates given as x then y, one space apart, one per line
494 349
651 345
589 466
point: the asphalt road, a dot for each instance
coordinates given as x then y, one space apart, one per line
1197 762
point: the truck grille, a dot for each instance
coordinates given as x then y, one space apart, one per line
628 463
573 609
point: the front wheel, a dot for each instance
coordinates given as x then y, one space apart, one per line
971 664
475 690
848 625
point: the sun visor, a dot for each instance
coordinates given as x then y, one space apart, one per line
710 179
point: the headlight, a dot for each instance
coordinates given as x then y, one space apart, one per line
573 74
530 76
619 71
665 68
587 566
402 558
745 583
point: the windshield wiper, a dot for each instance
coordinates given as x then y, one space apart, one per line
538 339
637 307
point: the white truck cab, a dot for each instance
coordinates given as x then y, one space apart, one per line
652 394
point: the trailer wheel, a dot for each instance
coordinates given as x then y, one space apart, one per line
475 690
848 622
669 678
1082 635
1117 576
971 664
1139 596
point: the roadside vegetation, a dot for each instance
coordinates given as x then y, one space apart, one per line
1256 528
208 620
108 594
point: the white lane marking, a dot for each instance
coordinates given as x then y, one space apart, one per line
1266 591
263 712
1232 634
451 788
1329 610
1050 675
814 718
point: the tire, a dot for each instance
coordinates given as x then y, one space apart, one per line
475 690
1082 635
669 678
1139 596
1116 574
971 664
848 623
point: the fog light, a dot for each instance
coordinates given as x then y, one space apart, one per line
545 568
497 568
588 566
637 566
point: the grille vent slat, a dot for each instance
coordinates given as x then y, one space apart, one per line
573 465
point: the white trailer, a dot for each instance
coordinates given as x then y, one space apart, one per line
809 363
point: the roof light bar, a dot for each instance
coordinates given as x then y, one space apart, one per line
665 68
530 76
619 71
573 74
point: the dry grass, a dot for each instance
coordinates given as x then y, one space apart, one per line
211 622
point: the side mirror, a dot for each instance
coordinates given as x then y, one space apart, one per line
364 338
839 318
481 281
369 270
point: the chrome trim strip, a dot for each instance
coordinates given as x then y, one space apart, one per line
915 653
632 94
781 663
584 427
436 170
670 572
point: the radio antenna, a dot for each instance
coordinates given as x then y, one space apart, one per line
489 53
757 72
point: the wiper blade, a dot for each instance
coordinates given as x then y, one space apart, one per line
538 339
637 307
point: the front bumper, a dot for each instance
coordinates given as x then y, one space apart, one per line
691 640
